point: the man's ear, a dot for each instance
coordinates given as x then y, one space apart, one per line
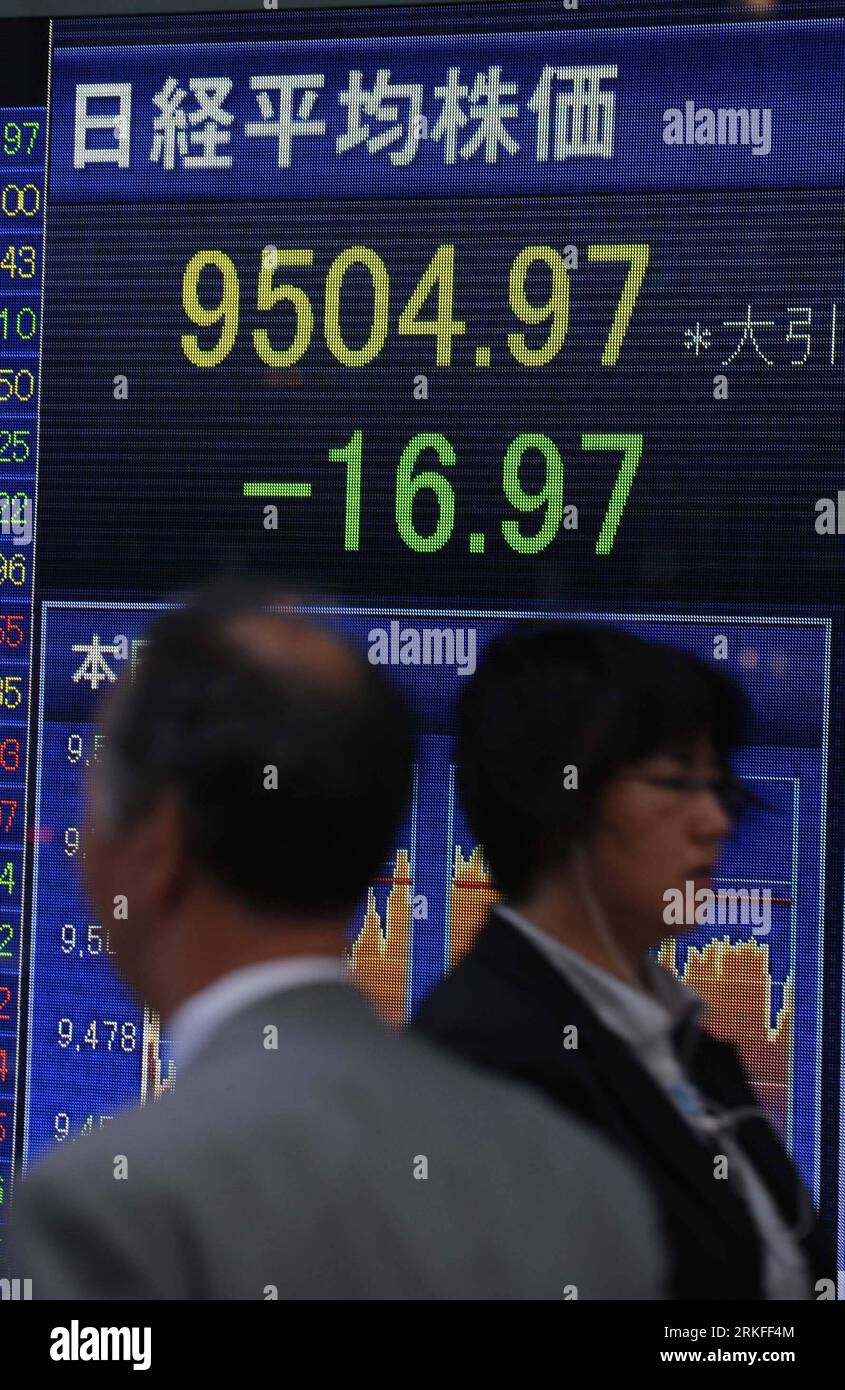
99 862
145 861
155 851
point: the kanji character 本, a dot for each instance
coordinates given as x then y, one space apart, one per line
118 121
582 114
95 669
382 104
491 112
172 134
748 326
300 91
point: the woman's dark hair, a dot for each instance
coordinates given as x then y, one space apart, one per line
575 695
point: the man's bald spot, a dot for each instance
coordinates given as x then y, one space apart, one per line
286 644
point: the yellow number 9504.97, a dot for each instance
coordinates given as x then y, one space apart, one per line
212 296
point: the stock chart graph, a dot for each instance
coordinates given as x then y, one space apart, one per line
92 1050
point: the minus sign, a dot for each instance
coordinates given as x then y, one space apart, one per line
277 490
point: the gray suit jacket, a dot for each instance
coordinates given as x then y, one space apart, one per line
296 1173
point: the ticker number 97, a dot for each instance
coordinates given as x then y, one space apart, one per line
19 138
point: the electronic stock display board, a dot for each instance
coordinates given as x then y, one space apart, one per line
442 318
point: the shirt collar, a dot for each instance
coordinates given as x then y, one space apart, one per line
204 1012
636 1015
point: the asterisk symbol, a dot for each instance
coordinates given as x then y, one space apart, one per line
697 338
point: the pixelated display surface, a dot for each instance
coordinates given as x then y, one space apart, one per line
442 318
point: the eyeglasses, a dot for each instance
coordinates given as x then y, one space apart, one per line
730 790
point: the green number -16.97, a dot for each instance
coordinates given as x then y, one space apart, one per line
436 451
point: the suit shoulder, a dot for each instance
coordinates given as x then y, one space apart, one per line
475 1009
136 1136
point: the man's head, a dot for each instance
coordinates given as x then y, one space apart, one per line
250 785
584 746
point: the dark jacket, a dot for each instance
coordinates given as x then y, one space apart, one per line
505 1007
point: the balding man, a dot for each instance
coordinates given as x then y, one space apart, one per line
254 775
